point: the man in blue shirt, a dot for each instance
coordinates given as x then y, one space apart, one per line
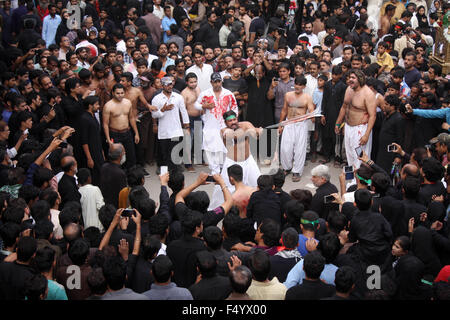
309 224
166 22
412 75
50 25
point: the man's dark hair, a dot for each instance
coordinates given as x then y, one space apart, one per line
115 272
265 182
90 101
96 281
43 229
28 193
40 210
106 215
232 225
35 287
136 194
271 232
259 264
26 248
290 238
162 268
411 187
9 232
278 178
432 169
213 237
240 279
198 201
176 181
79 251
336 221
344 280
42 175
190 221
235 171
158 225
363 199
313 264
206 263
329 246
310 220
381 182
83 175
151 244
229 113
44 258
393 100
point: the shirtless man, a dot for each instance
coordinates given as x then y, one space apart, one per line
385 20
133 94
235 137
359 111
190 95
117 119
294 138
241 196
99 83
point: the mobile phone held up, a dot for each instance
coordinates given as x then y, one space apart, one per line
391 148
128 213
359 151
210 179
349 174
328 199
163 170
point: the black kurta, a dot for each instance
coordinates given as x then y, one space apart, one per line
392 130
260 109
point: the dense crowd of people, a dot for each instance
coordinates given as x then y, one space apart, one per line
93 93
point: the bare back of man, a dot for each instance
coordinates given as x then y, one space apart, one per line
190 96
118 114
241 198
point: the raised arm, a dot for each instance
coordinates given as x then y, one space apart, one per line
187 190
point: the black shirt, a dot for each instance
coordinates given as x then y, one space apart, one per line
13 277
318 204
182 252
310 290
112 180
427 191
68 190
90 135
214 288
264 204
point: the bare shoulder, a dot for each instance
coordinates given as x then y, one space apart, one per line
246 125
127 102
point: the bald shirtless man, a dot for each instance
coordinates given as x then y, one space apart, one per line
235 137
294 138
118 116
359 111
190 95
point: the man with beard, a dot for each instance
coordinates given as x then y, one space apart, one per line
118 116
359 111
90 137
313 40
294 138
169 106
392 131
236 136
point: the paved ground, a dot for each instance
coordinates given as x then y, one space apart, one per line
153 187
